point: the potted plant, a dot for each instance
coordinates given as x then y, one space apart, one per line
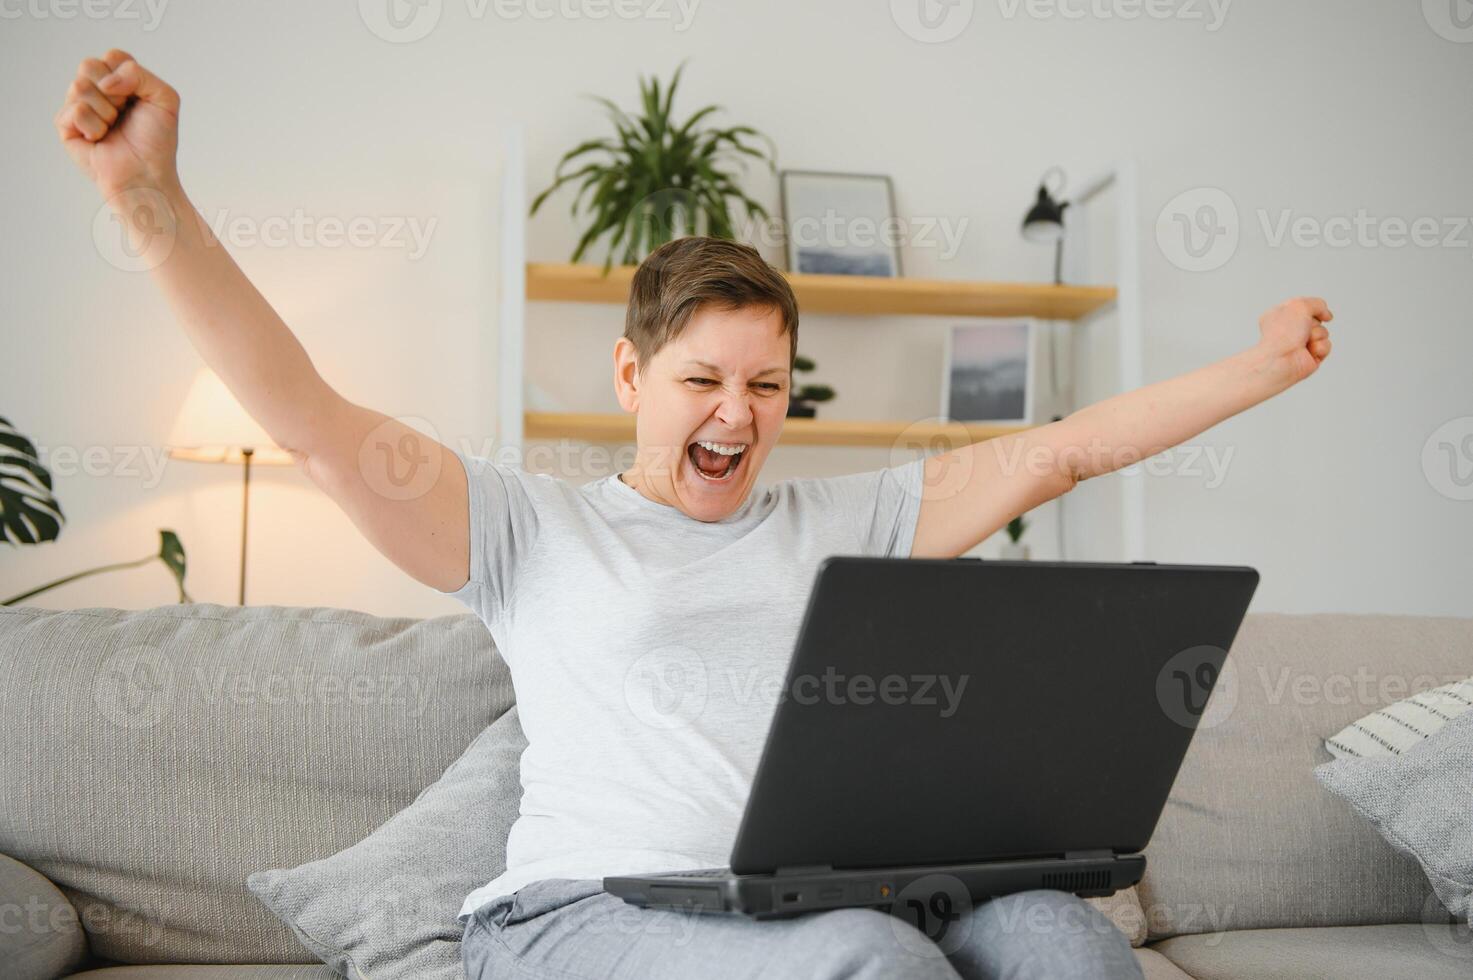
657 179
802 403
1013 549
29 514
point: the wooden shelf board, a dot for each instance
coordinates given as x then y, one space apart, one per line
619 428
859 295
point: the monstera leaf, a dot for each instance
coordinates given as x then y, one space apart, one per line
29 514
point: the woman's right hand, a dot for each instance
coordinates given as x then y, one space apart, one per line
120 123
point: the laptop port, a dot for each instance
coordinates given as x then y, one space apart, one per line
792 898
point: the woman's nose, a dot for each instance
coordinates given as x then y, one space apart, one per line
734 410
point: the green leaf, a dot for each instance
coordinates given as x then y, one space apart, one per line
29 514
171 553
685 167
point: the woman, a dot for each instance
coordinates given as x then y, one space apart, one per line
594 592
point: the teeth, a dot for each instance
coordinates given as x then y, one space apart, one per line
724 449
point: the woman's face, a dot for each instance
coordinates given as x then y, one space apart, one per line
723 382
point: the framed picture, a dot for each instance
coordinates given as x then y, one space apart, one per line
989 372
840 224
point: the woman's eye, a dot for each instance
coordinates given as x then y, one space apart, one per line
769 386
701 381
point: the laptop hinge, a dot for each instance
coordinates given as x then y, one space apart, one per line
1100 854
804 869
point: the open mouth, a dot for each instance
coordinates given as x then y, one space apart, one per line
716 462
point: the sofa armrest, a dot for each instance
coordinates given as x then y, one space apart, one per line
40 935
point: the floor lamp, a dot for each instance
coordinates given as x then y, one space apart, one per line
211 427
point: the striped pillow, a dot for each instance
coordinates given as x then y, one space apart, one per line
1391 730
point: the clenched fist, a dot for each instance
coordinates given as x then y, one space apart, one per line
1294 336
120 123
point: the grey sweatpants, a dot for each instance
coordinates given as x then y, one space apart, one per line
571 930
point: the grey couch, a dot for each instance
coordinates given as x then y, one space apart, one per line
153 759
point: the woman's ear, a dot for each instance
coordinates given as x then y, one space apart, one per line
626 374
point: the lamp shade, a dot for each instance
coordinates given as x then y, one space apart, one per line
211 427
1044 222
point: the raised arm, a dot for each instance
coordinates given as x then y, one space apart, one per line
974 491
406 492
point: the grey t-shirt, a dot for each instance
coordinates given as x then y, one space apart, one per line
648 651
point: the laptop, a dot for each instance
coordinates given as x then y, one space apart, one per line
970 727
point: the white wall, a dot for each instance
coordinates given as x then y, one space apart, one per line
1322 107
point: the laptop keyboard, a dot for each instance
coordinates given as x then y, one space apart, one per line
703 873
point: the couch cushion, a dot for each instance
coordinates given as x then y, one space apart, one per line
1388 952
40 937
191 972
1422 803
1249 839
386 907
1157 967
165 754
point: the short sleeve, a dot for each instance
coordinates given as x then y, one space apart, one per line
503 530
880 507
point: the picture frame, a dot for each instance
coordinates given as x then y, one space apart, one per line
864 205
987 374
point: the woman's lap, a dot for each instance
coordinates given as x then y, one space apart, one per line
562 930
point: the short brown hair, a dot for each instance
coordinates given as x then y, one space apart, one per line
681 276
